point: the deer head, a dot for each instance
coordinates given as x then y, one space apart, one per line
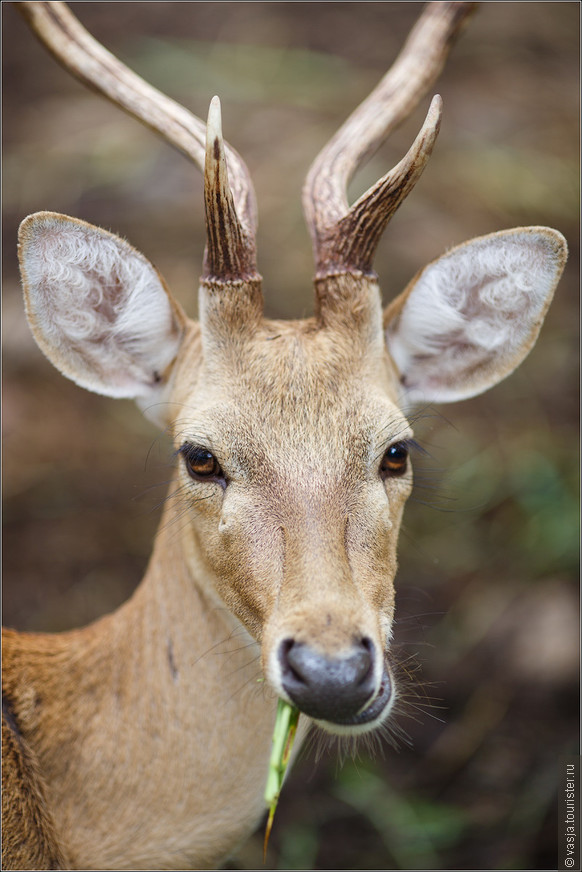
291 437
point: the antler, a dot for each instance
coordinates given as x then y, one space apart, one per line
80 54
345 239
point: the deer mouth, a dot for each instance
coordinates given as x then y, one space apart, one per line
370 717
375 708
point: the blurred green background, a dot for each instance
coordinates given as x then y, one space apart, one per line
487 627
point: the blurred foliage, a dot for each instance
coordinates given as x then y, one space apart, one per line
528 509
414 830
248 73
500 178
488 586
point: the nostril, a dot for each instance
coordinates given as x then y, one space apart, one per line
366 664
284 648
290 661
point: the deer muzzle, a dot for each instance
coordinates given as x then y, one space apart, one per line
341 690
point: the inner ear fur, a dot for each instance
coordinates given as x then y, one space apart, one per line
469 318
98 309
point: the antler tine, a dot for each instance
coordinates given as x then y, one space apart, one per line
76 50
344 239
229 255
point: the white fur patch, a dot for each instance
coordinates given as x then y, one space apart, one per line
473 315
96 306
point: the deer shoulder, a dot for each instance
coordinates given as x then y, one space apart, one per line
29 838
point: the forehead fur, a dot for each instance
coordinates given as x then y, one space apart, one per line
285 362
291 387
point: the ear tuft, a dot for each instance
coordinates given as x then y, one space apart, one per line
471 316
97 307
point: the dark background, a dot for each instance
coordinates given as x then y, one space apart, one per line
488 585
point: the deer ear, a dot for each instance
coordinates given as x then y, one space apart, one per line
470 317
97 308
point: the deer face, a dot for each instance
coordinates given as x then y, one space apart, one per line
292 446
293 460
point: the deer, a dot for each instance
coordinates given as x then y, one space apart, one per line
125 743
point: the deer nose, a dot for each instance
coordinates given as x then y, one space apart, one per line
329 689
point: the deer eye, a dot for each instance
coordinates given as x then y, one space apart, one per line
200 463
395 460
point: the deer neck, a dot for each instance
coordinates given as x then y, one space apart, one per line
161 752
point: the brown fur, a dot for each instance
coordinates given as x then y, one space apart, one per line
142 741
28 835
278 555
147 734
